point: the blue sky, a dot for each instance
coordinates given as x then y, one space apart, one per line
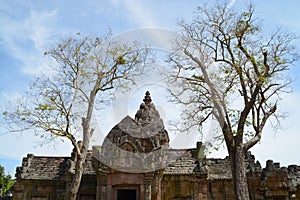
30 27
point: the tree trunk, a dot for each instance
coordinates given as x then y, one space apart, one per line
87 134
76 179
239 176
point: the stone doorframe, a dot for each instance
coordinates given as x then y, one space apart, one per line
109 182
127 187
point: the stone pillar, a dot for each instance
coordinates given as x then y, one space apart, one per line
109 192
200 187
98 190
101 186
148 190
142 192
157 185
148 184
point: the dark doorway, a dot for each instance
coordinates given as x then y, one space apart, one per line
126 194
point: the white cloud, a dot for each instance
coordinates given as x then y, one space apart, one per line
38 26
114 2
26 39
231 3
139 13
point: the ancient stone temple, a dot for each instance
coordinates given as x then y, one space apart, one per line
135 162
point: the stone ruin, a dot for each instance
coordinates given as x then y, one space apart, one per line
135 162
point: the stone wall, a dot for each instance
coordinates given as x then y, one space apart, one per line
184 177
220 189
269 183
184 187
39 189
54 190
88 187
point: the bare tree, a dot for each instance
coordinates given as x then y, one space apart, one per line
226 67
85 72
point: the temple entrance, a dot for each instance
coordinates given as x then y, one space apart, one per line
126 194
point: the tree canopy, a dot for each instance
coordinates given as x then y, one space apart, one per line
228 68
82 77
6 181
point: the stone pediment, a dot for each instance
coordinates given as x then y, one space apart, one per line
136 144
143 134
131 127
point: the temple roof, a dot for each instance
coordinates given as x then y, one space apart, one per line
42 168
49 168
181 161
176 161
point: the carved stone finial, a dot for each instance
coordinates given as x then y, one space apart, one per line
147 111
147 98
